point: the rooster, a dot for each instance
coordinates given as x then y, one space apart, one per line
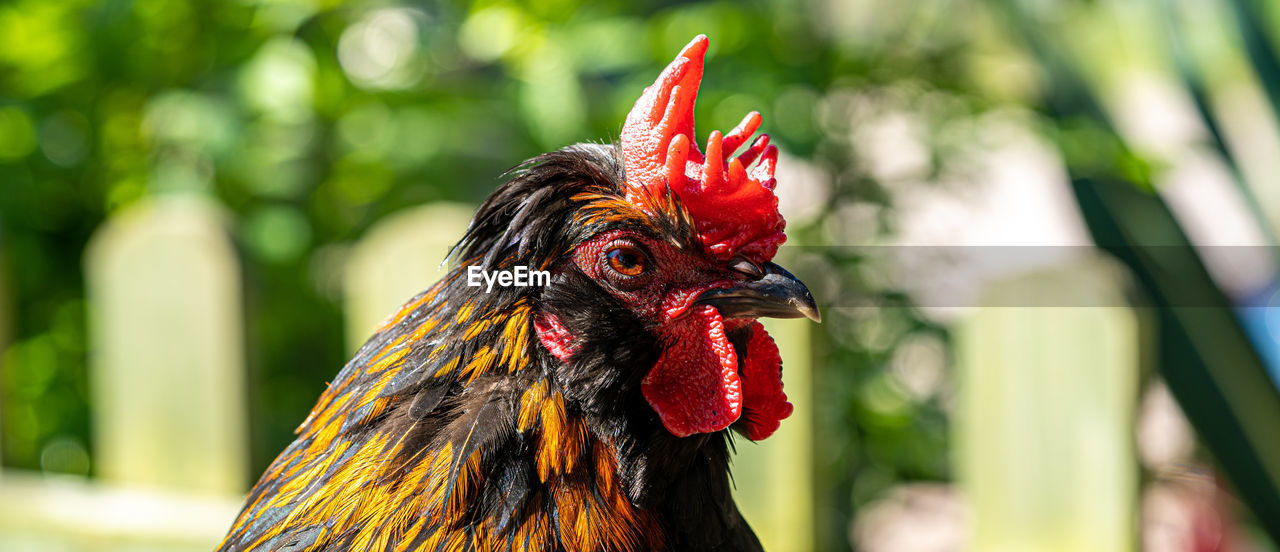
589 414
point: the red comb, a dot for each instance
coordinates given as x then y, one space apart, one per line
732 205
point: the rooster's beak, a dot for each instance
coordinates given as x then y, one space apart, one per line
775 294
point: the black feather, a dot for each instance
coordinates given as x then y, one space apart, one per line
429 397
484 417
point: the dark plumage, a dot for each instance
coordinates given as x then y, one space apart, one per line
588 414
677 488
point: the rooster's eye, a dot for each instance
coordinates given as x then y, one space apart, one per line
627 260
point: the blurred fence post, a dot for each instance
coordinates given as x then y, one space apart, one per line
5 310
1045 415
166 335
398 257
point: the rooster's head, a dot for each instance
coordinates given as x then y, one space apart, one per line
679 243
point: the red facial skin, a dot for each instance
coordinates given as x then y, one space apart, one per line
554 336
696 385
673 278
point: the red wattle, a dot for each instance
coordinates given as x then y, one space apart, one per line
694 386
764 403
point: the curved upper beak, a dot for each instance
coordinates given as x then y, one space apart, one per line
775 294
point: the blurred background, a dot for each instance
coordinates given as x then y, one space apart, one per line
1042 234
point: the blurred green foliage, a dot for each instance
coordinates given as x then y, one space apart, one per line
1210 356
309 120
